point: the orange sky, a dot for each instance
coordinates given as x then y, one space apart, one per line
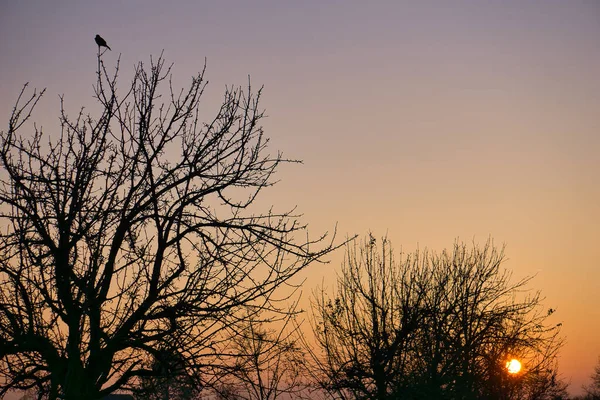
426 120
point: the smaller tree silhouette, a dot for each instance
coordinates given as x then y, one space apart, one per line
432 325
264 360
593 390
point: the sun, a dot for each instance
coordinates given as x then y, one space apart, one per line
513 366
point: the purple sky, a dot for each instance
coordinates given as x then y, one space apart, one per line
425 120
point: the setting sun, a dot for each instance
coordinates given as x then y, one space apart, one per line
513 366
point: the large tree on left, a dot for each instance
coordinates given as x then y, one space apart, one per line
134 232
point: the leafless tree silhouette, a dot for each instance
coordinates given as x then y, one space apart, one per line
137 231
265 361
593 390
432 326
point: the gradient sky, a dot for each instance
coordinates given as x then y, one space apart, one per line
425 120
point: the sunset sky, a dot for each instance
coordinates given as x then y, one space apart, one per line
423 120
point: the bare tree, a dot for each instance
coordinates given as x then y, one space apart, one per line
432 326
134 231
365 329
265 361
593 390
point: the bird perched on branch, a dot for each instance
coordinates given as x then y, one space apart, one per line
101 42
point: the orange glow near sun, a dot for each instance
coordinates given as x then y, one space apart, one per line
513 366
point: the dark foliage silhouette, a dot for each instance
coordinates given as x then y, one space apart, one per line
169 380
131 242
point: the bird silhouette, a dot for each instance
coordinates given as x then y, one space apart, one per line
101 42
